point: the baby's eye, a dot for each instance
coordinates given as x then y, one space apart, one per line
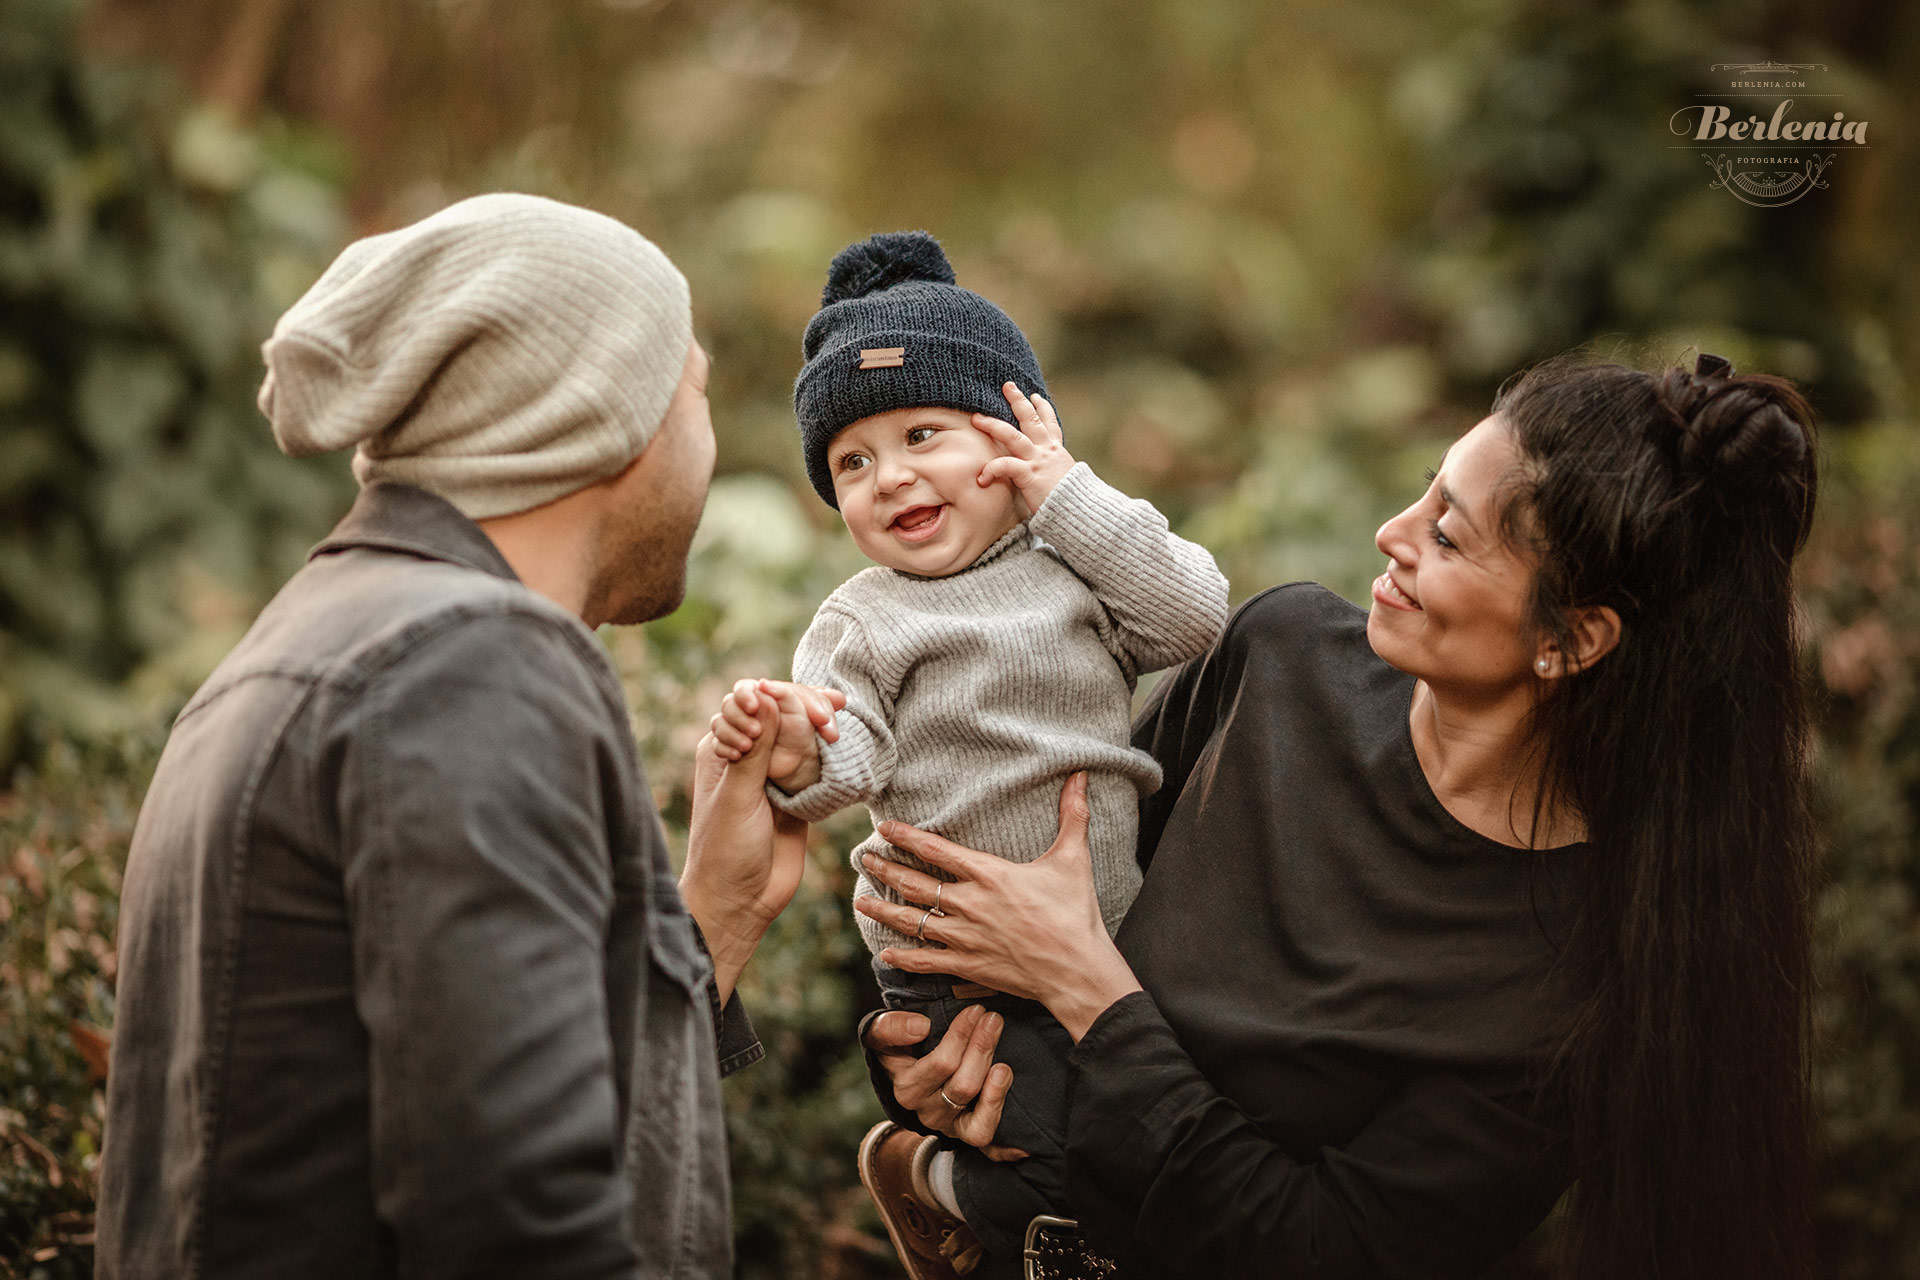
850 462
920 435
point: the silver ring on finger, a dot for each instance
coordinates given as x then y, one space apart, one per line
939 886
920 933
958 1107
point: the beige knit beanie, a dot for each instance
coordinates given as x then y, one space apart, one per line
502 353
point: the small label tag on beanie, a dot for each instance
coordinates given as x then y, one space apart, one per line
882 357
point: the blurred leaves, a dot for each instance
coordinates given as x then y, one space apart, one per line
145 247
63 838
1273 257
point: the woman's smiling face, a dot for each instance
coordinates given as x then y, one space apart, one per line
908 486
1452 606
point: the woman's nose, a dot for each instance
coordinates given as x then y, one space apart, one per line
1395 537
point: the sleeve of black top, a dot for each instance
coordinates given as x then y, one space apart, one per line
1444 1181
1176 724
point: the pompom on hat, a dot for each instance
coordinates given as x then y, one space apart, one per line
502 353
895 332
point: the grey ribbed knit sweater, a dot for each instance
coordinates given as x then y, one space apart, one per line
971 698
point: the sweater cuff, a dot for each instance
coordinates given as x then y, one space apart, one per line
1082 515
841 766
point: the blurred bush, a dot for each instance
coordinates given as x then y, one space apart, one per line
145 248
1862 593
1273 260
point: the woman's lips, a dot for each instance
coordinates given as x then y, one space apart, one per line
1388 592
918 524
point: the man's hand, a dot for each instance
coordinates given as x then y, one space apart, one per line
805 716
1036 453
744 857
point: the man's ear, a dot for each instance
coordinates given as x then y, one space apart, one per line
1593 631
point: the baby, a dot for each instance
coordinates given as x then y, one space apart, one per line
990 653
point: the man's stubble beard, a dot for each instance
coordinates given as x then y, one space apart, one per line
645 577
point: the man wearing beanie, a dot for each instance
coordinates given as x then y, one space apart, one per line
406 984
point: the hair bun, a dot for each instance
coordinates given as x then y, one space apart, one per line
882 261
1744 438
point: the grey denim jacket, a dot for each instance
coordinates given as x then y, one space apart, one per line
406 984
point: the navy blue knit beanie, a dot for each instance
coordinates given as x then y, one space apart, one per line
895 332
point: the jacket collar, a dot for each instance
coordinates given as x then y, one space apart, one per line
401 517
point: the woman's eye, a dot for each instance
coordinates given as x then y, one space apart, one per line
920 435
1433 530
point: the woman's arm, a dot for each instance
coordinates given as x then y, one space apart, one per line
1442 1182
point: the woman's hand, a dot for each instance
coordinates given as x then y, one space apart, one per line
1032 930
744 857
957 1089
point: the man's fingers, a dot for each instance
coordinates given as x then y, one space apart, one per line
759 751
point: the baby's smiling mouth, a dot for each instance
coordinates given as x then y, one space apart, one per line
919 522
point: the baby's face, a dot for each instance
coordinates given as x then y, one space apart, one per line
908 485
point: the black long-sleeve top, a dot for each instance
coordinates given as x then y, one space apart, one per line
1328 1072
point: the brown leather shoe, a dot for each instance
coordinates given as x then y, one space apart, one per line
932 1243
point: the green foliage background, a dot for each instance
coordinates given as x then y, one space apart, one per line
1274 256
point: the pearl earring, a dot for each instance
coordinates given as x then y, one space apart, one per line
1542 666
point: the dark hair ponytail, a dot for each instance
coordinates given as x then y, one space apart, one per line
1678 499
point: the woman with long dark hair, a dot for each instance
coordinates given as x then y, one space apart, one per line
1499 887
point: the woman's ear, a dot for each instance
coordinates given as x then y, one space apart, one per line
1594 631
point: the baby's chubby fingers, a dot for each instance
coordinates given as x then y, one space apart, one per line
1012 470
1005 434
735 714
1037 419
1048 417
728 742
817 704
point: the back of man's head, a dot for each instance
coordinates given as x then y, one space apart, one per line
502 353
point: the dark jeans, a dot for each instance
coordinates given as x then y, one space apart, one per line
999 1199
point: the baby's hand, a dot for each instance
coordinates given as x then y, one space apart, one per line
804 712
1036 456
